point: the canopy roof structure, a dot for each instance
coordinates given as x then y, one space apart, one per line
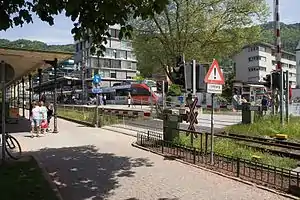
25 61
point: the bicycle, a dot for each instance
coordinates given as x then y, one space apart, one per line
12 144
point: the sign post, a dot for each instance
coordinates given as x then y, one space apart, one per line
192 116
96 90
214 80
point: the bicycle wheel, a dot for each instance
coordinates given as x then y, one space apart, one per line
13 147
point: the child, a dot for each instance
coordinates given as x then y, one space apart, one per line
49 115
35 119
44 117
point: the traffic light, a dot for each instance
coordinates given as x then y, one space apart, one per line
178 74
159 86
267 80
275 80
166 87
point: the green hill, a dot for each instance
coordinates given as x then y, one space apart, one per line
290 36
36 45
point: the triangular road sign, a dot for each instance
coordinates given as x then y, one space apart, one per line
214 74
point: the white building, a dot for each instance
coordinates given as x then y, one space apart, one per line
118 64
298 64
255 61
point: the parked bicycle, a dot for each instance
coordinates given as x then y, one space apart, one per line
12 147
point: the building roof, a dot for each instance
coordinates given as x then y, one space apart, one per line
298 46
25 61
268 45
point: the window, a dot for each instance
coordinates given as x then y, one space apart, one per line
262 49
123 54
106 73
80 45
254 58
116 64
107 63
128 55
252 49
133 66
113 75
114 33
140 92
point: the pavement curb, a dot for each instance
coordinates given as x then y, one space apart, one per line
221 174
48 178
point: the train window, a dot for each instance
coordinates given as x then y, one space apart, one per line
140 92
122 92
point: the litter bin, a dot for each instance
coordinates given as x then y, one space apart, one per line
170 126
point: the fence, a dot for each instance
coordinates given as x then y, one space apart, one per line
88 115
267 175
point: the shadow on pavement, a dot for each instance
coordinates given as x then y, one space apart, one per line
84 173
153 199
22 125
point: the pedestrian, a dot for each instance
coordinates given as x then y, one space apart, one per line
104 99
35 119
43 117
129 99
264 104
49 115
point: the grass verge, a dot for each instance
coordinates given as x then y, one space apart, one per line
90 117
24 180
238 150
269 126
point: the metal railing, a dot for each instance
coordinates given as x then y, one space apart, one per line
275 177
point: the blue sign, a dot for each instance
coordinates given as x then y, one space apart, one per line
181 99
96 90
97 78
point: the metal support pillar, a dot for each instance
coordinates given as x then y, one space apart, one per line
23 97
54 65
281 97
30 93
18 94
55 96
15 96
40 82
287 95
11 96
3 114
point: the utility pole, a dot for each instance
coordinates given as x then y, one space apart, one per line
278 56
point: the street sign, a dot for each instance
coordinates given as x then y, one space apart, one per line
214 88
96 79
96 90
191 115
214 74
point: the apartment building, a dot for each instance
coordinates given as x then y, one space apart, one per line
298 64
118 64
255 61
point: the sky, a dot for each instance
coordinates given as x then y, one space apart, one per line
60 33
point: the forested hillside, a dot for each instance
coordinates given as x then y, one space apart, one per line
290 36
36 45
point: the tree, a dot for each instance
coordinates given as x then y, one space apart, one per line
200 30
91 17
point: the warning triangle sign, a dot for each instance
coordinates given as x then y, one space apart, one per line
214 74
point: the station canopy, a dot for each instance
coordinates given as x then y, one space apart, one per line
25 61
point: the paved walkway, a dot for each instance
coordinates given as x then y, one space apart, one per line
95 164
